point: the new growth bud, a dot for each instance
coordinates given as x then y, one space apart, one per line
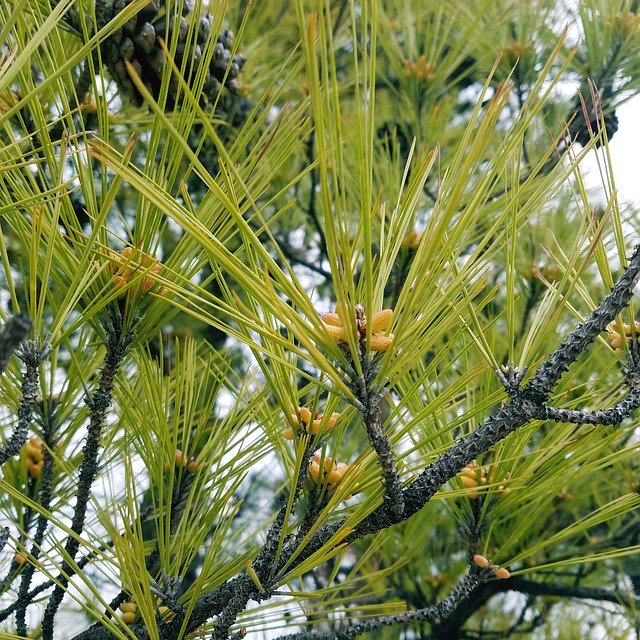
181 460
336 323
308 423
620 341
331 472
130 263
34 456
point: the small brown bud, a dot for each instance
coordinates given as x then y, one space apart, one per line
502 573
481 561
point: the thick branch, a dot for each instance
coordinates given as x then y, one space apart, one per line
46 494
433 614
568 591
450 627
99 403
369 398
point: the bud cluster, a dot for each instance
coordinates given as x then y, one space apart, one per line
309 423
327 471
337 322
129 612
474 477
34 456
421 69
499 572
181 460
626 24
630 333
517 50
128 264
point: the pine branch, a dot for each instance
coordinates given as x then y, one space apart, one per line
12 333
459 594
524 406
32 356
46 495
369 397
117 343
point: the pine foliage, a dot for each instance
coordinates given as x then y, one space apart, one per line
312 327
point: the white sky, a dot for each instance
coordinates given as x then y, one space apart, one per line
624 149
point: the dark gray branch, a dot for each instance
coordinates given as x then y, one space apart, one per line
117 344
369 395
463 590
32 355
568 591
12 333
612 416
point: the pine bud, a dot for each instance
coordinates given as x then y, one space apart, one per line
481 561
502 573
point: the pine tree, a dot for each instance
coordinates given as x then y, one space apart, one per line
312 328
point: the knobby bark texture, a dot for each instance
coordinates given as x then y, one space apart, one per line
528 403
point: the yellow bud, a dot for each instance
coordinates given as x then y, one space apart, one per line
468 483
480 561
288 434
33 449
337 334
128 607
18 558
314 470
410 238
129 617
381 320
332 319
616 343
335 476
147 285
305 414
380 342
415 240
166 614
502 573
329 422
119 282
35 468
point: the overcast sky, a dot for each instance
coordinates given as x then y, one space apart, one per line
624 148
